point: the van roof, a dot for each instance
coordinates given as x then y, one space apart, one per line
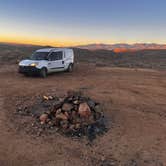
52 49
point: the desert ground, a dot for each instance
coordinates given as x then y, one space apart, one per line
134 102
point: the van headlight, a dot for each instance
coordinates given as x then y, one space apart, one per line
34 64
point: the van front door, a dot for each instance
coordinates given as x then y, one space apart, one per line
56 62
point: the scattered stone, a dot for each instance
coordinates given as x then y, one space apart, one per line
45 98
77 126
76 102
61 116
74 115
64 124
67 107
91 104
43 118
84 110
98 108
50 98
58 111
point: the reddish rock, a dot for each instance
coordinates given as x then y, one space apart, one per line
67 115
73 114
61 116
84 110
43 118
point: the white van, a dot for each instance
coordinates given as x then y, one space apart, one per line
48 60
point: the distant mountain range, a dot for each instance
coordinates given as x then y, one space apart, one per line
120 47
123 47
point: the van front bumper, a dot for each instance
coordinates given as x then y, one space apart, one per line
28 70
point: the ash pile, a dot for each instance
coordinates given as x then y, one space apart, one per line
74 115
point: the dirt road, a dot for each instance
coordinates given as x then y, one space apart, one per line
135 104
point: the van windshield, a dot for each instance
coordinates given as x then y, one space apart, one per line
39 56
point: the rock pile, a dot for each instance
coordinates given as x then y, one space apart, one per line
73 115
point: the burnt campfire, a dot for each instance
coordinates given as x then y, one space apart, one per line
74 115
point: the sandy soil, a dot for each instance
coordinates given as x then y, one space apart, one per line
134 102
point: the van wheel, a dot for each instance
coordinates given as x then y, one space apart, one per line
43 73
70 68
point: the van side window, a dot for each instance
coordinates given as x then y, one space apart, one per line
56 56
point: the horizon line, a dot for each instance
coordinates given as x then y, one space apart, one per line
93 43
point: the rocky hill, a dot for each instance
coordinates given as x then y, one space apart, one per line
141 58
122 46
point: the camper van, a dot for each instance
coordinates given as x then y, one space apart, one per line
48 60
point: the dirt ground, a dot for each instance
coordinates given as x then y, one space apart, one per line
134 102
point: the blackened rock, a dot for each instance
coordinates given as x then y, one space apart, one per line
75 94
70 93
97 115
64 124
74 115
46 105
58 105
91 132
68 99
98 108
75 107
67 107
91 104
100 126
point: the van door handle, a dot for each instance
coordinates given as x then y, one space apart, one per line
62 62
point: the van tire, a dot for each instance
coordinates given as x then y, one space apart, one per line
43 72
70 68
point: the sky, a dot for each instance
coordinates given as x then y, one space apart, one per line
79 22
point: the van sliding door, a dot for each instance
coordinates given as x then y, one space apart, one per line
56 61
